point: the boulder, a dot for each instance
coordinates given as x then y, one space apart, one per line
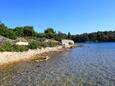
67 43
22 43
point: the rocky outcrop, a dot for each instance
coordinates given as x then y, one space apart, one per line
67 43
22 43
10 57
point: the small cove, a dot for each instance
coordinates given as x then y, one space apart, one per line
91 65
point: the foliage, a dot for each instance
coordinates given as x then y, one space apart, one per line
24 31
6 32
50 33
19 48
12 47
69 35
10 34
105 36
28 31
7 47
33 45
59 36
35 39
41 35
52 44
48 44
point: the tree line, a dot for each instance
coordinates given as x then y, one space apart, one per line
50 33
35 39
100 36
28 31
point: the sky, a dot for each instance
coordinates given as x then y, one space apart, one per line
74 16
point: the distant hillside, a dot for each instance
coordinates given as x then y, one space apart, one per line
100 36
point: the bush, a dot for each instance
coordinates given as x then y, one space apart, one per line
49 44
10 47
7 47
44 44
33 45
52 44
10 34
19 48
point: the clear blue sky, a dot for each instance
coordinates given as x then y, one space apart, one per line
75 16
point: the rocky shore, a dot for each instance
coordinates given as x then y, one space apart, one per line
37 55
10 57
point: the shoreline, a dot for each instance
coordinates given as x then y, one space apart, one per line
37 55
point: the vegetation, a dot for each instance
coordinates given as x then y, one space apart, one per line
32 45
50 33
24 31
28 31
7 47
59 36
105 36
7 32
35 39
12 47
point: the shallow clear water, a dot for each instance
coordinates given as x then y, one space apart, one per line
91 65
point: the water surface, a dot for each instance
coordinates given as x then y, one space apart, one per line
91 65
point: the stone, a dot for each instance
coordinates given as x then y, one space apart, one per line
67 43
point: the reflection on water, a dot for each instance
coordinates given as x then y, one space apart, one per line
92 65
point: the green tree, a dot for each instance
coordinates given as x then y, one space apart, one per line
50 33
41 35
69 35
19 31
3 29
60 36
6 32
11 34
25 31
29 31
105 36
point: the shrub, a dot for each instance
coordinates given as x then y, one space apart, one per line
11 47
33 45
44 44
52 44
7 47
19 48
49 44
